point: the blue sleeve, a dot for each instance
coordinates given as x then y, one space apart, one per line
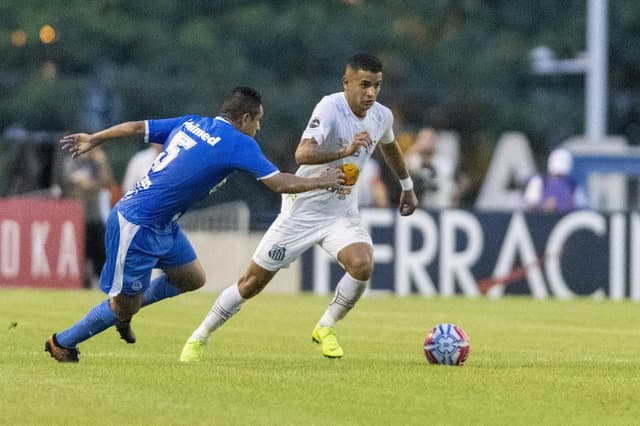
159 130
253 160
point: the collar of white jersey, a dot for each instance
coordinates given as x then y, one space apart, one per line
350 112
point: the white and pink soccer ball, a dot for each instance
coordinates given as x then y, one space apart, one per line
446 344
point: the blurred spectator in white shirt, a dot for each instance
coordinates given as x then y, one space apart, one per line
139 165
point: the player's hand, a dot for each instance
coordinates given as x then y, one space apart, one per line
408 203
77 144
331 177
360 140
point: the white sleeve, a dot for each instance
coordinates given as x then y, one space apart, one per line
321 121
388 136
146 131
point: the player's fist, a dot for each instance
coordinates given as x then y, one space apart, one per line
408 203
360 140
331 177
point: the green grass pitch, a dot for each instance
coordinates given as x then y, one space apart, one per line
531 362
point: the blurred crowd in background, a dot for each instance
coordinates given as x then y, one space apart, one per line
456 67
36 166
458 75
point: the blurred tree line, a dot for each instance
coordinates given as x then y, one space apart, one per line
452 64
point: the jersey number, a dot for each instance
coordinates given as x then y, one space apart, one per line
179 140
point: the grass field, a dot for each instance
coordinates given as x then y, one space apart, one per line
531 362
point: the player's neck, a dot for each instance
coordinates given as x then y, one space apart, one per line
230 120
358 112
355 108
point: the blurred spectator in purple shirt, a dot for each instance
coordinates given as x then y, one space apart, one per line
555 190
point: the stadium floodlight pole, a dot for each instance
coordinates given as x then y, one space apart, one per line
596 85
593 63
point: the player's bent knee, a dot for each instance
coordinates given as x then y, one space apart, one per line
360 268
357 260
187 278
198 281
194 283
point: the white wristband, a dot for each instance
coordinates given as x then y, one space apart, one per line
406 184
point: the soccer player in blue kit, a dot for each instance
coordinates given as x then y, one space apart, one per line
142 231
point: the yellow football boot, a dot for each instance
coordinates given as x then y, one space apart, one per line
193 351
326 336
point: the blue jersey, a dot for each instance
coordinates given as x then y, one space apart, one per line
199 153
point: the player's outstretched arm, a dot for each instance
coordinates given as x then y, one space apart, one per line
287 183
79 143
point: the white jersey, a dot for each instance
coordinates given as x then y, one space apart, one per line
334 125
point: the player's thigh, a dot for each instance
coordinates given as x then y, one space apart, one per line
284 242
349 243
128 263
187 277
181 265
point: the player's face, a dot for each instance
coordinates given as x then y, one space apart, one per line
251 125
361 88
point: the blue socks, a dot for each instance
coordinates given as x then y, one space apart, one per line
159 289
98 319
101 317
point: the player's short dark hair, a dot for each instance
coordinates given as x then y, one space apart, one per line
365 62
241 100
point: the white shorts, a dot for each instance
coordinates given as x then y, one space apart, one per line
286 239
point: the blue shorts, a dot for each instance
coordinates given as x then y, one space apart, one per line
134 250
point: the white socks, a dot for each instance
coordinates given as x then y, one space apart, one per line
348 291
227 304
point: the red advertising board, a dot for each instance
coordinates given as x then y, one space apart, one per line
41 243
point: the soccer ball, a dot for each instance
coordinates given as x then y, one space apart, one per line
446 344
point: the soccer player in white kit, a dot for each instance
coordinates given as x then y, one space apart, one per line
343 131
